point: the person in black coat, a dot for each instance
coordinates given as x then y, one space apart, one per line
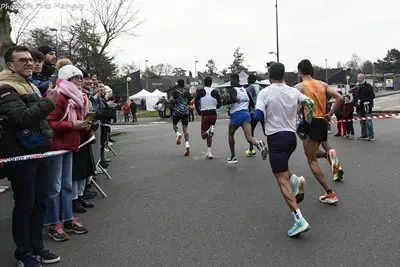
133 107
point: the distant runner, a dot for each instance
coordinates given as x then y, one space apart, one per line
207 102
180 100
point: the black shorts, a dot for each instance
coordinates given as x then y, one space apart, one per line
183 118
317 130
281 146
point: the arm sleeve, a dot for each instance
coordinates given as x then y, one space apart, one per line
55 118
216 95
20 115
260 107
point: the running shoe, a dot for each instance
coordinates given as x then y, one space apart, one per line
339 175
28 261
57 233
231 160
371 139
264 150
300 226
209 156
46 257
333 161
298 189
250 153
362 138
178 138
74 226
210 131
329 198
187 151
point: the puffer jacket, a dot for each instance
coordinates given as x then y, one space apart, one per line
21 103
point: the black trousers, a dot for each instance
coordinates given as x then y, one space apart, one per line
191 115
349 127
29 180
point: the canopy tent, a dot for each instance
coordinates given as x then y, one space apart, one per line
140 95
158 93
154 98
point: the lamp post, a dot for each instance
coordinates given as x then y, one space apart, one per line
326 71
55 30
195 68
277 31
128 80
274 53
145 63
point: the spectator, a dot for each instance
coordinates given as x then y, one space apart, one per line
26 111
50 60
191 109
340 123
60 63
126 109
66 121
348 110
133 107
365 104
160 107
37 77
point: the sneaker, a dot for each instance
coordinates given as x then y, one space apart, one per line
298 189
264 150
46 257
338 135
187 151
231 160
77 207
339 175
300 226
85 204
87 195
28 261
333 161
178 138
362 138
74 226
250 153
210 131
209 156
329 199
6 187
371 139
56 232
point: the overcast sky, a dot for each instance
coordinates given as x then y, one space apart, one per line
182 31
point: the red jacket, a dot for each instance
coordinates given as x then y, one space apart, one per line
65 136
348 110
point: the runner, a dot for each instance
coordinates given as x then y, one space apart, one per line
240 101
207 102
317 131
279 103
180 99
253 91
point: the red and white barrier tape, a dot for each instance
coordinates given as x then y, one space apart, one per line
368 118
44 155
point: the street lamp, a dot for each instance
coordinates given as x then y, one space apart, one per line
195 68
277 32
326 71
55 30
273 53
128 80
145 64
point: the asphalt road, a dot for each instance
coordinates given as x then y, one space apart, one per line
387 103
165 209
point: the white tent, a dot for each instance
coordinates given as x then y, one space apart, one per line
153 98
140 95
158 93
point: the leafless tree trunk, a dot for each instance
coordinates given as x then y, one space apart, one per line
5 35
28 11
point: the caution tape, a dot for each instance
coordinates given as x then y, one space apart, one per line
43 155
368 118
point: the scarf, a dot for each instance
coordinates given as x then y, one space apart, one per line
77 103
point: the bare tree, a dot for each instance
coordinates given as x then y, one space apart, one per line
128 68
28 11
116 17
5 28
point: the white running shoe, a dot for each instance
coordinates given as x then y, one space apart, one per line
232 160
187 150
178 138
209 156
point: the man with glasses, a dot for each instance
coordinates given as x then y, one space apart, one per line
27 132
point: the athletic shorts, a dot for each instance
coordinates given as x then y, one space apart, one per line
240 117
207 121
317 130
183 118
281 145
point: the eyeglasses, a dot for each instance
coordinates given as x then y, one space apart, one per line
25 60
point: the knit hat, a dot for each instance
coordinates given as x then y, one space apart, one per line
46 49
69 71
85 74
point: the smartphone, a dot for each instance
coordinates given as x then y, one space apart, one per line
90 116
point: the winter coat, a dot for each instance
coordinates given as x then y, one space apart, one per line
21 103
348 110
40 82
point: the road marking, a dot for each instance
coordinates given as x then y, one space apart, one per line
392 108
159 122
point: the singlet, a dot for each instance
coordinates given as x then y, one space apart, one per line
208 102
316 91
244 100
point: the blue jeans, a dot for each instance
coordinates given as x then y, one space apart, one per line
367 128
77 188
59 201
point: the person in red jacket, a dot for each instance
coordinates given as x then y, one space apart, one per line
348 110
126 109
67 122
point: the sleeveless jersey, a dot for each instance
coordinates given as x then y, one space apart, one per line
244 100
316 91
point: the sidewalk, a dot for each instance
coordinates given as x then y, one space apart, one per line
386 93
